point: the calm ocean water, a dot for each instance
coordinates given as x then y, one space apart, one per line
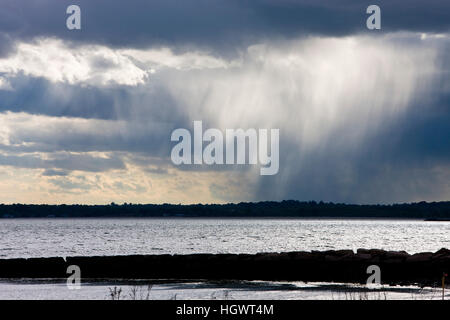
74 237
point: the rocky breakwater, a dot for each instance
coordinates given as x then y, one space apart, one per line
397 267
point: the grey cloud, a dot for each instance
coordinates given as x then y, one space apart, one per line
6 45
67 185
157 170
53 172
221 25
134 137
68 162
40 96
85 162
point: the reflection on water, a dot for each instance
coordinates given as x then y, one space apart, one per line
226 290
70 237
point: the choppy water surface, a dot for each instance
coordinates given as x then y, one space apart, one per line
69 237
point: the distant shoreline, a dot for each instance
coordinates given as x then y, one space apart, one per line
430 211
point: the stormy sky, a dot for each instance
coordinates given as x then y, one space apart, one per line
86 115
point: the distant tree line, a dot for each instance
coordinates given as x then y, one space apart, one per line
287 208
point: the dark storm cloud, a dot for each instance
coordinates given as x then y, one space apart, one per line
405 161
222 25
134 138
40 96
